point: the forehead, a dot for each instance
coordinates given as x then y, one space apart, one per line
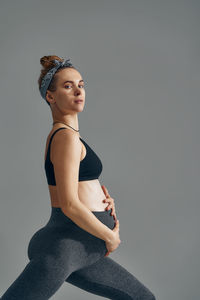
69 74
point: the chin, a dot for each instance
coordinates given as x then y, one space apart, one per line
79 109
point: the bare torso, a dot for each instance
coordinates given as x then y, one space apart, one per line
89 191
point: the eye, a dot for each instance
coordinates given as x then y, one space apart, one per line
79 85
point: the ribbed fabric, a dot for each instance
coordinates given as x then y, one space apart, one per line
62 252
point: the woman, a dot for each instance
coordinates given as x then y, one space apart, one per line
83 228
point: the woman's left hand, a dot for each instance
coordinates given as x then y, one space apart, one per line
110 201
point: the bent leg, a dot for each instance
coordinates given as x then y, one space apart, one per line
109 279
54 254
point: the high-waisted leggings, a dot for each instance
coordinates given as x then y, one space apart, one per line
62 251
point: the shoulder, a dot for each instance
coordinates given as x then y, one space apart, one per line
65 142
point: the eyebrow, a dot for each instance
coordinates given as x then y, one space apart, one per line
72 81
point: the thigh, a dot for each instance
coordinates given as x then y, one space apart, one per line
109 279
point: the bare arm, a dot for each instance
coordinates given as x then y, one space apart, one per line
66 154
84 218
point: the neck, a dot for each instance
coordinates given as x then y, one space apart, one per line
71 120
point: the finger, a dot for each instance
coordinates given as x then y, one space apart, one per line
113 211
116 225
109 207
109 199
105 190
115 217
113 214
107 253
106 200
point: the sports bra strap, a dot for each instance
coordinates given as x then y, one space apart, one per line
55 132
52 138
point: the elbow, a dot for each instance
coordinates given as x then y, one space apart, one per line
69 206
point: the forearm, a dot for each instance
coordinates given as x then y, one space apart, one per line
85 219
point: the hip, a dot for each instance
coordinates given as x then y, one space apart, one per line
60 232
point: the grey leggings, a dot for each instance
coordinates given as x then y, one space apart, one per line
61 251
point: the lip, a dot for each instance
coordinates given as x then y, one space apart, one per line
78 100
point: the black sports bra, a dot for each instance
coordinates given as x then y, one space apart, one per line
90 166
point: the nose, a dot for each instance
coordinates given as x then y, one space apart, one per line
78 91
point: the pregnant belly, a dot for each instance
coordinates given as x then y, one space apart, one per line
91 195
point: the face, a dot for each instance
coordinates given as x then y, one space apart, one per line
70 87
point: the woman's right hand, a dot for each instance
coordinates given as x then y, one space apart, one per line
112 244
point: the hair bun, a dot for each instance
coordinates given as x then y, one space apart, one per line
48 61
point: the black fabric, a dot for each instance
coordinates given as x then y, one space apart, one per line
90 166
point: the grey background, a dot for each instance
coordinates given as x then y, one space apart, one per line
140 61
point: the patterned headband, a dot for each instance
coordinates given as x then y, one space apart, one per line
49 75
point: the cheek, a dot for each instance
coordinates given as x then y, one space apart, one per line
63 94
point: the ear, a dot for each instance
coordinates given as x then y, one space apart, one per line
49 97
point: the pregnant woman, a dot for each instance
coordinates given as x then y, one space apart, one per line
74 245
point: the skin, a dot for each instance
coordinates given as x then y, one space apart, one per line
91 193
